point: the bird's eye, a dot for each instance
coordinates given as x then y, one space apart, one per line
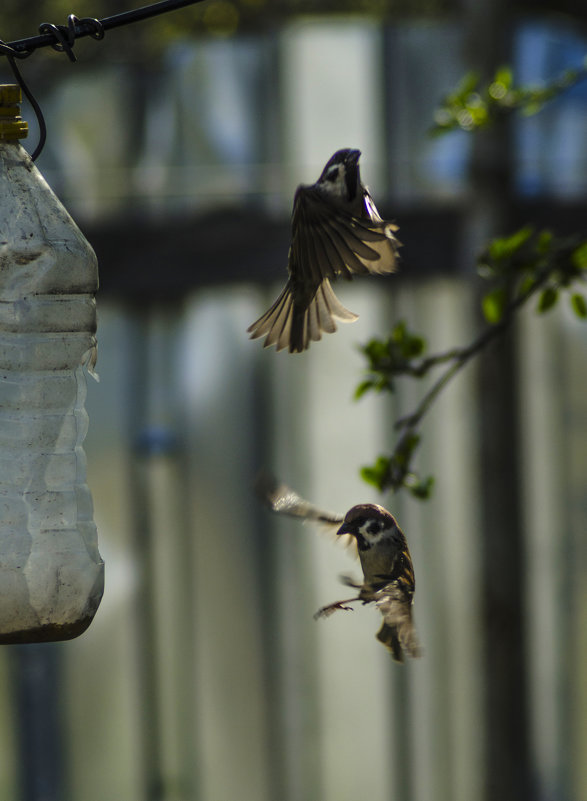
332 174
374 527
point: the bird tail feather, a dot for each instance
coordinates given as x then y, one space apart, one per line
295 323
399 639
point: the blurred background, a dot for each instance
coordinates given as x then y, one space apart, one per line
177 144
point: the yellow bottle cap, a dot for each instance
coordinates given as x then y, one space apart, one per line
12 126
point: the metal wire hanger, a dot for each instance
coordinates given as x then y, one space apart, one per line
62 38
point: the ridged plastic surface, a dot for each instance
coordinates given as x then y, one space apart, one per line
51 573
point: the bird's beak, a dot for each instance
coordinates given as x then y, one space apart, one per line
353 157
344 529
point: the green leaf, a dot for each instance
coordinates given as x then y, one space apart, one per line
544 242
493 305
579 305
363 387
465 87
579 256
398 332
378 474
548 297
505 247
501 84
375 350
403 343
505 75
475 114
414 346
421 488
526 285
532 107
383 382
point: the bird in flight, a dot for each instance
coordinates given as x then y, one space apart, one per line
336 232
388 573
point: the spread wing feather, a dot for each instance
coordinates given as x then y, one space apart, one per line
282 499
325 245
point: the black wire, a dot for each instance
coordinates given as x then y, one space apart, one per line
62 38
86 27
36 108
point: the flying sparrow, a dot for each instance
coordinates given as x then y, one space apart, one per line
336 231
388 573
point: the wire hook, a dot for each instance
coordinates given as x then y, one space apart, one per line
64 36
32 100
62 39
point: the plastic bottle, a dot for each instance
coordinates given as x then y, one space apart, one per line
51 573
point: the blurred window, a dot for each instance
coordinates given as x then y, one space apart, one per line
550 152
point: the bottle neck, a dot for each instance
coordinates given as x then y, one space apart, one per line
12 125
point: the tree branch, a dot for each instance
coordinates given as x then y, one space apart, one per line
522 265
461 356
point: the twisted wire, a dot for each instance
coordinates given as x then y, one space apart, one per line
62 38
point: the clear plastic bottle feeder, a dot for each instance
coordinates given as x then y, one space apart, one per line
51 573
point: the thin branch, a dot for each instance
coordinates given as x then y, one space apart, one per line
459 357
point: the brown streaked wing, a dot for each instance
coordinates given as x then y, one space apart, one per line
396 607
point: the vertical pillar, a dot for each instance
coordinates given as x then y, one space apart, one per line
506 753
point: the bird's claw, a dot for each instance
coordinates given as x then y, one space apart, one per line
326 611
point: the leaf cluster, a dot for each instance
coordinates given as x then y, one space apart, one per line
533 262
525 264
394 471
389 358
401 353
473 105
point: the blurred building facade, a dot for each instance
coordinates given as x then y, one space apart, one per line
204 675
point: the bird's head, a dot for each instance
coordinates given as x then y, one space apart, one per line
340 177
369 523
